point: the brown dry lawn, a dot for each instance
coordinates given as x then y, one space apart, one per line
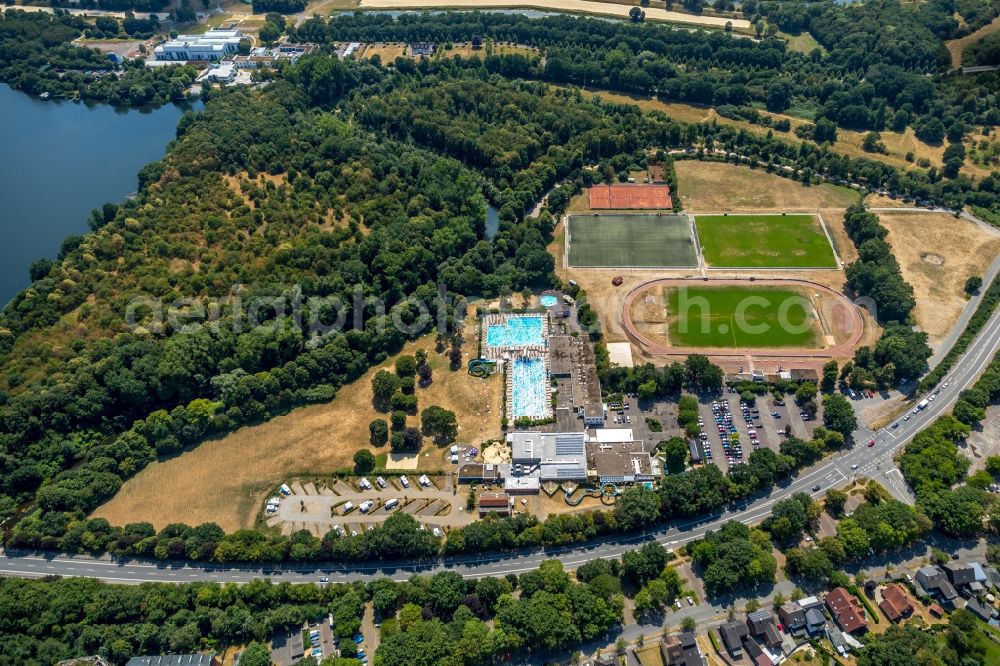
465 50
956 46
710 187
937 252
387 53
225 480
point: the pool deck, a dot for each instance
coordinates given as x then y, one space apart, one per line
505 351
506 354
547 407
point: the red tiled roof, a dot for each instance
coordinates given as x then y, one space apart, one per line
845 610
630 196
894 603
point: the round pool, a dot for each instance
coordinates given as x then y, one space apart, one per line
548 300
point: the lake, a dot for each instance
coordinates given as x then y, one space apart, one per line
59 160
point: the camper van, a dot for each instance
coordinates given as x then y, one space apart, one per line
348 506
365 506
424 481
365 484
380 482
391 504
406 482
285 490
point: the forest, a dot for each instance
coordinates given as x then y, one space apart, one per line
870 77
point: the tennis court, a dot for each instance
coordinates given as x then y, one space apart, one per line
624 197
642 241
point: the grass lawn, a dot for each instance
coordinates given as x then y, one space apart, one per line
764 241
735 317
649 241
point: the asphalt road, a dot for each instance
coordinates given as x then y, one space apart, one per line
875 461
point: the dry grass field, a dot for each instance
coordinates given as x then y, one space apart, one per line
225 480
465 50
575 6
937 252
956 46
712 187
386 52
848 142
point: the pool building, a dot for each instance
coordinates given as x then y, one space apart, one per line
610 456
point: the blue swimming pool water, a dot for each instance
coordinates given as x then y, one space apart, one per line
528 387
518 332
548 300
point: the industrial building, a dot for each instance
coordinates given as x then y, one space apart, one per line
212 46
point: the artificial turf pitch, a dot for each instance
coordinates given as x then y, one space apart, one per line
727 317
642 240
764 241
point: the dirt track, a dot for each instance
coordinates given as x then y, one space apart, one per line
809 357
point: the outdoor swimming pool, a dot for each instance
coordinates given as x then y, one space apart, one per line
528 388
516 332
548 300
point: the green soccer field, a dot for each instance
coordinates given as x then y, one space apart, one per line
764 241
737 317
647 241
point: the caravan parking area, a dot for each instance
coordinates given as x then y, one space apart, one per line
358 506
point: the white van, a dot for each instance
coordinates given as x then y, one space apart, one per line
365 484
348 506
381 482
424 481
365 506
285 490
406 482
391 504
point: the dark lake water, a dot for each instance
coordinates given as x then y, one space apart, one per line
58 160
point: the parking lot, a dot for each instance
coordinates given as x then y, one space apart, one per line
353 509
766 419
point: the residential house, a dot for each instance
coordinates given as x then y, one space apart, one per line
792 616
960 575
681 650
895 604
815 621
733 634
846 610
979 609
761 626
936 584
755 653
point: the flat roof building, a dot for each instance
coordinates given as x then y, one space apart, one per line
199 659
211 46
620 463
487 472
559 456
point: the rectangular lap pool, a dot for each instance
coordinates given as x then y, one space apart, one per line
516 332
528 388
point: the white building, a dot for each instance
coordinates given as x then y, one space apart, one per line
549 456
211 46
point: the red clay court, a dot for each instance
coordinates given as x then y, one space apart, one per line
621 197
